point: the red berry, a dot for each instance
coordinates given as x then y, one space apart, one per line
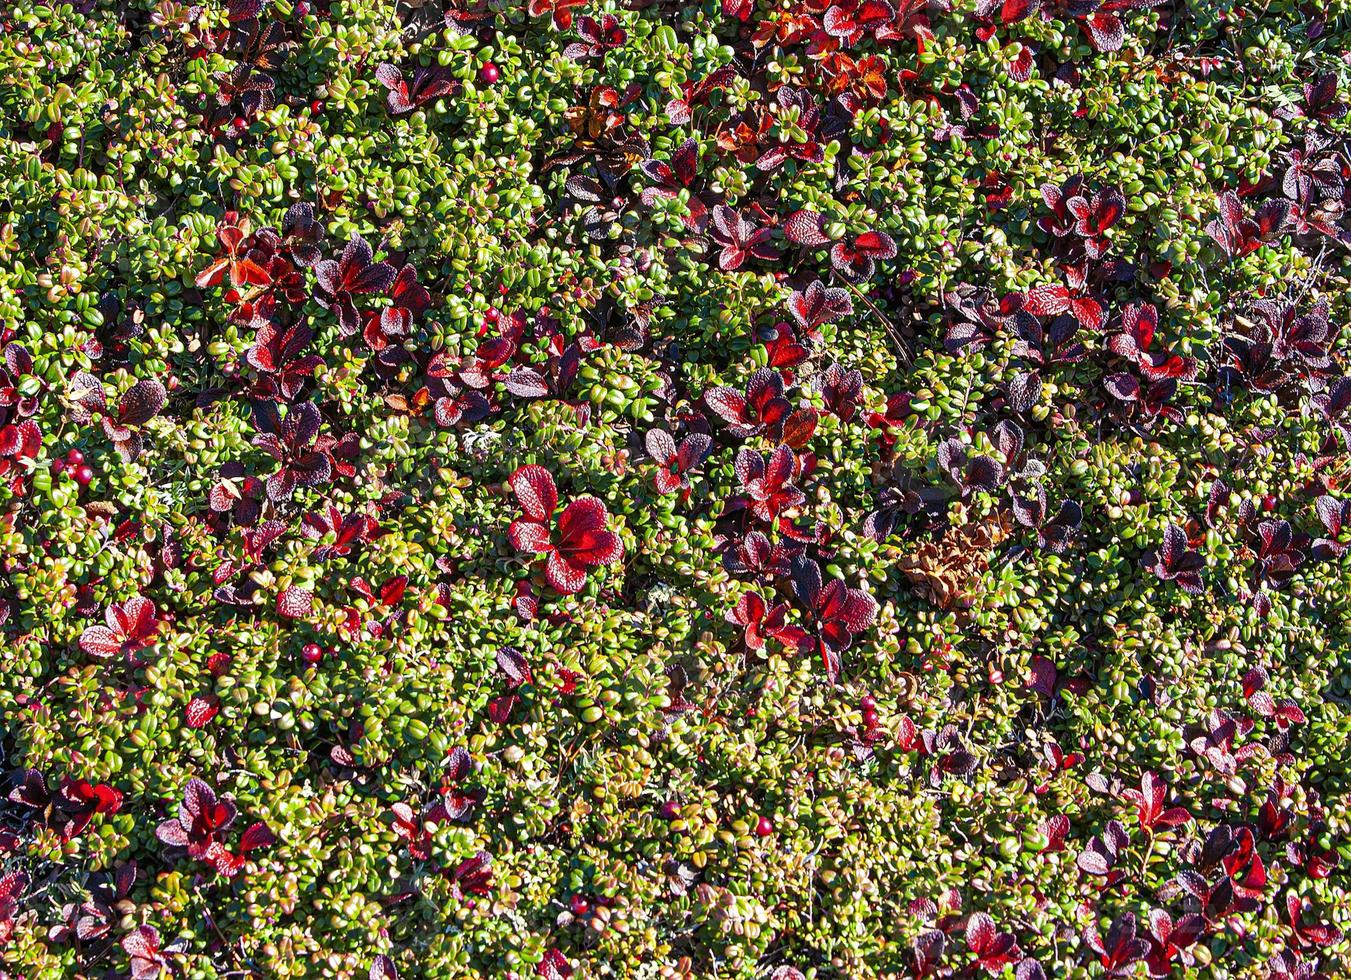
868 703
74 458
1269 503
491 315
580 906
58 467
316 107
312 653
670 810
764 827
489 74
84 476
870 718
240 122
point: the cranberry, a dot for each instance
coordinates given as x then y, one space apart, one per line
764 827
312 653
240 122
579 905
316 107
58 467
489 74
1268 503
84 476
670 810
869 718
868 703
74 458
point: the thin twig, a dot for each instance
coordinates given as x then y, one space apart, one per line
907 356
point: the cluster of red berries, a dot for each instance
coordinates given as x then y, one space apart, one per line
868 705
490 318
74 464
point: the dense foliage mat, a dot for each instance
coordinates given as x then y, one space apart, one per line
739 488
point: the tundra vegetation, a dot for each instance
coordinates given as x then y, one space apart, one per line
830 489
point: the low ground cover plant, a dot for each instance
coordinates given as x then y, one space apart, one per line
742 488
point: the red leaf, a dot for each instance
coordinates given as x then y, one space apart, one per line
391 593
535 489
142 402
554 966
565 577
514 665
201 709
1047 300
99 641
806 228
582 515
529 536
256 836
728 403
526 382
295 603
